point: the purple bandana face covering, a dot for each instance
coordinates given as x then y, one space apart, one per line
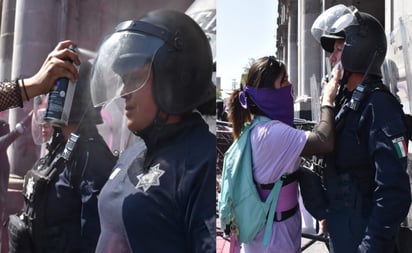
277 104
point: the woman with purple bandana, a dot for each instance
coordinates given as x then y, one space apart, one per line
277 145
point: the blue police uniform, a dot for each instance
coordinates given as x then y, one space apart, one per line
367 184
71 216
163 200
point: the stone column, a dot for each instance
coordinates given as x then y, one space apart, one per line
309 65
292 44
35 35
311 51
6 38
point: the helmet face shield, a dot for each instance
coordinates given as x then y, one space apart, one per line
39 108
134 70
41 130
165 44
123 65
334 20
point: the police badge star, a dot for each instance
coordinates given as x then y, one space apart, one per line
151 178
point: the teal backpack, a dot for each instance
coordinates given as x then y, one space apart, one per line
240 205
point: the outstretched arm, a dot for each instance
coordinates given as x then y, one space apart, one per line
321 139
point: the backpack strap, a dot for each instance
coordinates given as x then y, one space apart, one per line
273 199
274 194
289 178
288 196
236 157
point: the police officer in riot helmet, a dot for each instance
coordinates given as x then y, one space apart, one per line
366 182
60 191
333 44
160 198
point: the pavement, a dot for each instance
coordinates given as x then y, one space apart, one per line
223 245
313 246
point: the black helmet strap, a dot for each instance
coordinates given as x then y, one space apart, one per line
369 66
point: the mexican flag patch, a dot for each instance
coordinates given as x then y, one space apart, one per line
401 146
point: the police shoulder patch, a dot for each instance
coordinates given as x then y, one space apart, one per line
401 146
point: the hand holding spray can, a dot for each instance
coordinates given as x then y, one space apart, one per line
60 100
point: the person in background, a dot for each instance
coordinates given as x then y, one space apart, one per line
56 65
7 137
4 164
366 183
42 130
161 195
60 191
277 146
47 133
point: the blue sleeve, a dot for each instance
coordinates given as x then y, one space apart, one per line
196 191
388 154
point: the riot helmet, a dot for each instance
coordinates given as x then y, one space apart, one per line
167 43
365 40
325 25
365 46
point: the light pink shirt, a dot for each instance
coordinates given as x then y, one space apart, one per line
276 149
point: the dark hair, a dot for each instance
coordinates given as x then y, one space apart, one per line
262 74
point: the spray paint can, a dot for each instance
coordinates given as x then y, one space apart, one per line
59 102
